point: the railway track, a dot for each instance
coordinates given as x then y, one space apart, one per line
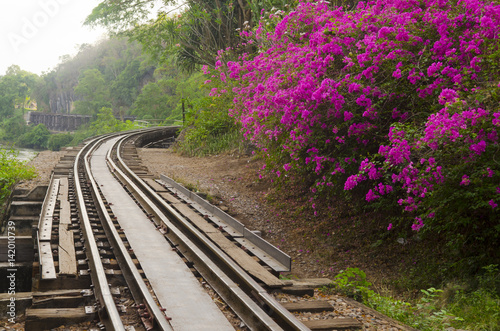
120 250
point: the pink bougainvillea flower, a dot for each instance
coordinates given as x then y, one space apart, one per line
418 224
371 95
465 180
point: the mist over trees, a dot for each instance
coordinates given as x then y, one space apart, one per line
113 73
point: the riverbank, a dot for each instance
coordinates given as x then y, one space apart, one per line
43 163
24 154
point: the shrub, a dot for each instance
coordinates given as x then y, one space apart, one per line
13 128
57 141
11 172
424 314
36 137
209 129
391 104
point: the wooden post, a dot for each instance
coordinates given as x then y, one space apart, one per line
183 114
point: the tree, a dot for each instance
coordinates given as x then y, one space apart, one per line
16 89
194 36
57 141
13 128
124 68
93 90
8 94
151 101
120 15
106 122
127 85
11 172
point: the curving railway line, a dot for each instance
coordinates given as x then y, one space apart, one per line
144 253
116 248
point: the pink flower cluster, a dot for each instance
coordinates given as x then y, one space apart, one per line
388 82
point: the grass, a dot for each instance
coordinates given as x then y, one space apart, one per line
455 306
213 145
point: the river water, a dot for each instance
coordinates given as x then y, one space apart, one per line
24 154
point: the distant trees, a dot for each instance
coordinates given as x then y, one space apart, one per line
57 141
106 122
93 91
7 96
16 88
151 101
36 138
12 128
116 61
115 74
162 97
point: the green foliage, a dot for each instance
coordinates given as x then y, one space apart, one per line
152 101
7 96
126 86
114 73
213 145
13 128
120 15
477 309
11 172
15 90
36 138
479 306
57 141
209 129
118 62
163 97
16 131
25 82
105 123
93 90
352 282
194 36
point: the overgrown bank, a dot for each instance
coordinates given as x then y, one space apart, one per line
12 171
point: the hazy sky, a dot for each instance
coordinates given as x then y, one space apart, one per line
35 33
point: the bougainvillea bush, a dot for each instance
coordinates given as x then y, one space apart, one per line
394 102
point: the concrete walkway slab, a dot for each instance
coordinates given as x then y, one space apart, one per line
176 288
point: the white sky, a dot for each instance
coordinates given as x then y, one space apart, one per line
35 33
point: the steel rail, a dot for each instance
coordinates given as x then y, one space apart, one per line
247 309
230 283
108 313
138 288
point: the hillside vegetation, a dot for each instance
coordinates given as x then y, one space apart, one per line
113 74
392 106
